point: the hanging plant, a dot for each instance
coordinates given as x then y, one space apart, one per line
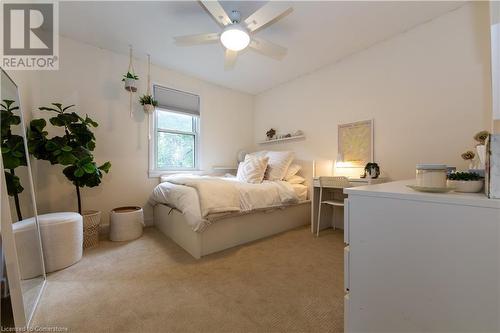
148 102
130 80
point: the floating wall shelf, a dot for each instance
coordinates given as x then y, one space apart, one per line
298 137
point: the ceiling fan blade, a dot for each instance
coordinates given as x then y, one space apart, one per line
196 39
267 48
267 15
230 59
217 12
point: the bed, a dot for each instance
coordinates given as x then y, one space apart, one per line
202 228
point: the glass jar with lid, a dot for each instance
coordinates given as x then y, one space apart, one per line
431 175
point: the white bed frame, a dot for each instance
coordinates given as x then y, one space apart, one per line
233 230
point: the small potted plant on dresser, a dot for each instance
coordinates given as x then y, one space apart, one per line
467 182
73 150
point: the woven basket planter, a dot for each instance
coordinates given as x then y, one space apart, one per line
91 223
148 108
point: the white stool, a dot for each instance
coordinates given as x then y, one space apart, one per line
62 238
126 223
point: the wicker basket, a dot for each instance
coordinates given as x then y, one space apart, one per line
91 222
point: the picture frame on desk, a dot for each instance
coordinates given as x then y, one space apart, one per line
356 143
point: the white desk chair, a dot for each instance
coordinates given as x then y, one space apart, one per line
330 182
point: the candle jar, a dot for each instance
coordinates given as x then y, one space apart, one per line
431 175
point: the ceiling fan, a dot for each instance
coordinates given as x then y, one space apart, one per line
236 35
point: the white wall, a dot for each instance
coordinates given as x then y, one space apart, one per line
91 78
428 91
495 61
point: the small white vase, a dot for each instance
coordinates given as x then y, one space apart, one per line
481 153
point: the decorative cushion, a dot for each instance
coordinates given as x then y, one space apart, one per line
260 153
252 169
296 180
279 162
292 171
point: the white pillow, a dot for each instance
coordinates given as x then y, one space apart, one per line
252 169
296 180
260 153
279 162
292 171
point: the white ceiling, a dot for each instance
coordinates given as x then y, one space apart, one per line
315 33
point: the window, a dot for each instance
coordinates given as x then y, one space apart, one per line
175 131
176 137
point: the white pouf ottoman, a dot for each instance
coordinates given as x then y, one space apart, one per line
126 223
62 239
28 248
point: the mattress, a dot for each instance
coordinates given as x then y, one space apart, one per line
187 199
301 191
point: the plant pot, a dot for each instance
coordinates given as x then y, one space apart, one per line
149 108
130 85
466 186
91 223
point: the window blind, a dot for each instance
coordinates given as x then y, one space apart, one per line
176 100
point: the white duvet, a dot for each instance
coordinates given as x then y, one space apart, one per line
197 197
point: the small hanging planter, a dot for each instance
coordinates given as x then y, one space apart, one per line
130 80
148 103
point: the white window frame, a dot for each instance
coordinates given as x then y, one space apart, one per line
154 171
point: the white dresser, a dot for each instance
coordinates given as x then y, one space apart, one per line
421 262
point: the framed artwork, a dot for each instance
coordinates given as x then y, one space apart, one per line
355 143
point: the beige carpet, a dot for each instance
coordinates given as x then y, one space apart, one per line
289 282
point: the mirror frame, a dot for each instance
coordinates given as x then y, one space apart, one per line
21 318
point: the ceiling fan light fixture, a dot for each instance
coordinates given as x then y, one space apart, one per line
235 37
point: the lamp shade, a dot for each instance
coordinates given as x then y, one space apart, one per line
235 37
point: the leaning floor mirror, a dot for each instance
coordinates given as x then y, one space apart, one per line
23 273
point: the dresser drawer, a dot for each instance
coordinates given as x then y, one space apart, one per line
346 269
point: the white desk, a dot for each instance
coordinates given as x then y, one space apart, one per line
334 193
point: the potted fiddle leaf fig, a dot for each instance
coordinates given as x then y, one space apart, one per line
13 153
73 150
130 80
148 103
